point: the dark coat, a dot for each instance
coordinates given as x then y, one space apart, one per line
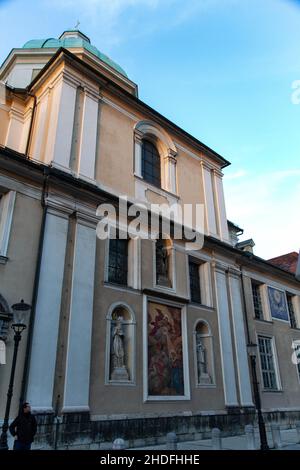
24 427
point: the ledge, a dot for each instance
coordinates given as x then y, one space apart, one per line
156 189
165 295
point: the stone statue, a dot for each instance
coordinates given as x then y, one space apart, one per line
118 348
119 371
162 263
203 375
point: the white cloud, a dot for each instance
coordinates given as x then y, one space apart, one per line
143 17
266 205
235 175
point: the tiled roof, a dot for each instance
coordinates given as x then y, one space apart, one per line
287 262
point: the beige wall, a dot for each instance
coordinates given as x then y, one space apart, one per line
115 151
16 280
283 335
4 120
109 399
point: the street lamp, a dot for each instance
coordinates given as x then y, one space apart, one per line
20 312
252 351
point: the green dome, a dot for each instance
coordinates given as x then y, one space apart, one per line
68 42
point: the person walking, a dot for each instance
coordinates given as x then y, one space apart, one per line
23 428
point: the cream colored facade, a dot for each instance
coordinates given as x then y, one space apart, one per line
71 139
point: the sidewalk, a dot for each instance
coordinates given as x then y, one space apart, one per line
289 442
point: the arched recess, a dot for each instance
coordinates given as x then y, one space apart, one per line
120 345
203 353
164 269
150 131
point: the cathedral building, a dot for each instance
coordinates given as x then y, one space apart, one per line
127 337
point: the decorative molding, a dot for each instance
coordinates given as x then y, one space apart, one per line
75 409
262 279
209 335
119 108
129 290
21 188
186 375
126 306
147 127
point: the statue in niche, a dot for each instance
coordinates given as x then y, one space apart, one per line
203 375
162 264
119 371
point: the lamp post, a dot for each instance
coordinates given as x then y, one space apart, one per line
252 351
20 311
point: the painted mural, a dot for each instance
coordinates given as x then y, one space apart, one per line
165 360
278 304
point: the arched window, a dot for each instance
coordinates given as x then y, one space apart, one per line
203 354
151 171
120 346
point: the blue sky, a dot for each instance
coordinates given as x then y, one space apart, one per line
221 69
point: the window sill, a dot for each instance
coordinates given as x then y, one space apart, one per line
272 391
169 290
202 306
206 386
112 285
156 189
121 384
3 259
264 321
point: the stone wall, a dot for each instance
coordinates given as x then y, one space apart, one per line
78 431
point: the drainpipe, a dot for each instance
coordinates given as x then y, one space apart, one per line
35 288
29 137
244 306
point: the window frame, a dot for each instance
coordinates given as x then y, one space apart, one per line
257 286
110 266
290 305
193 262
153 177
7 206
275 364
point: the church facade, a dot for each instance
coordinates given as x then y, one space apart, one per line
128 337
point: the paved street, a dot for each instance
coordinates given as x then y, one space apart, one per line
289 442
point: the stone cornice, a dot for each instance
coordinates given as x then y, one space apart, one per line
19 165
63 55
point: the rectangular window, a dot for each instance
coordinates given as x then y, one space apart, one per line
296 347
289 298
34 73
7 202
195 282
118 261
267 363
257 301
